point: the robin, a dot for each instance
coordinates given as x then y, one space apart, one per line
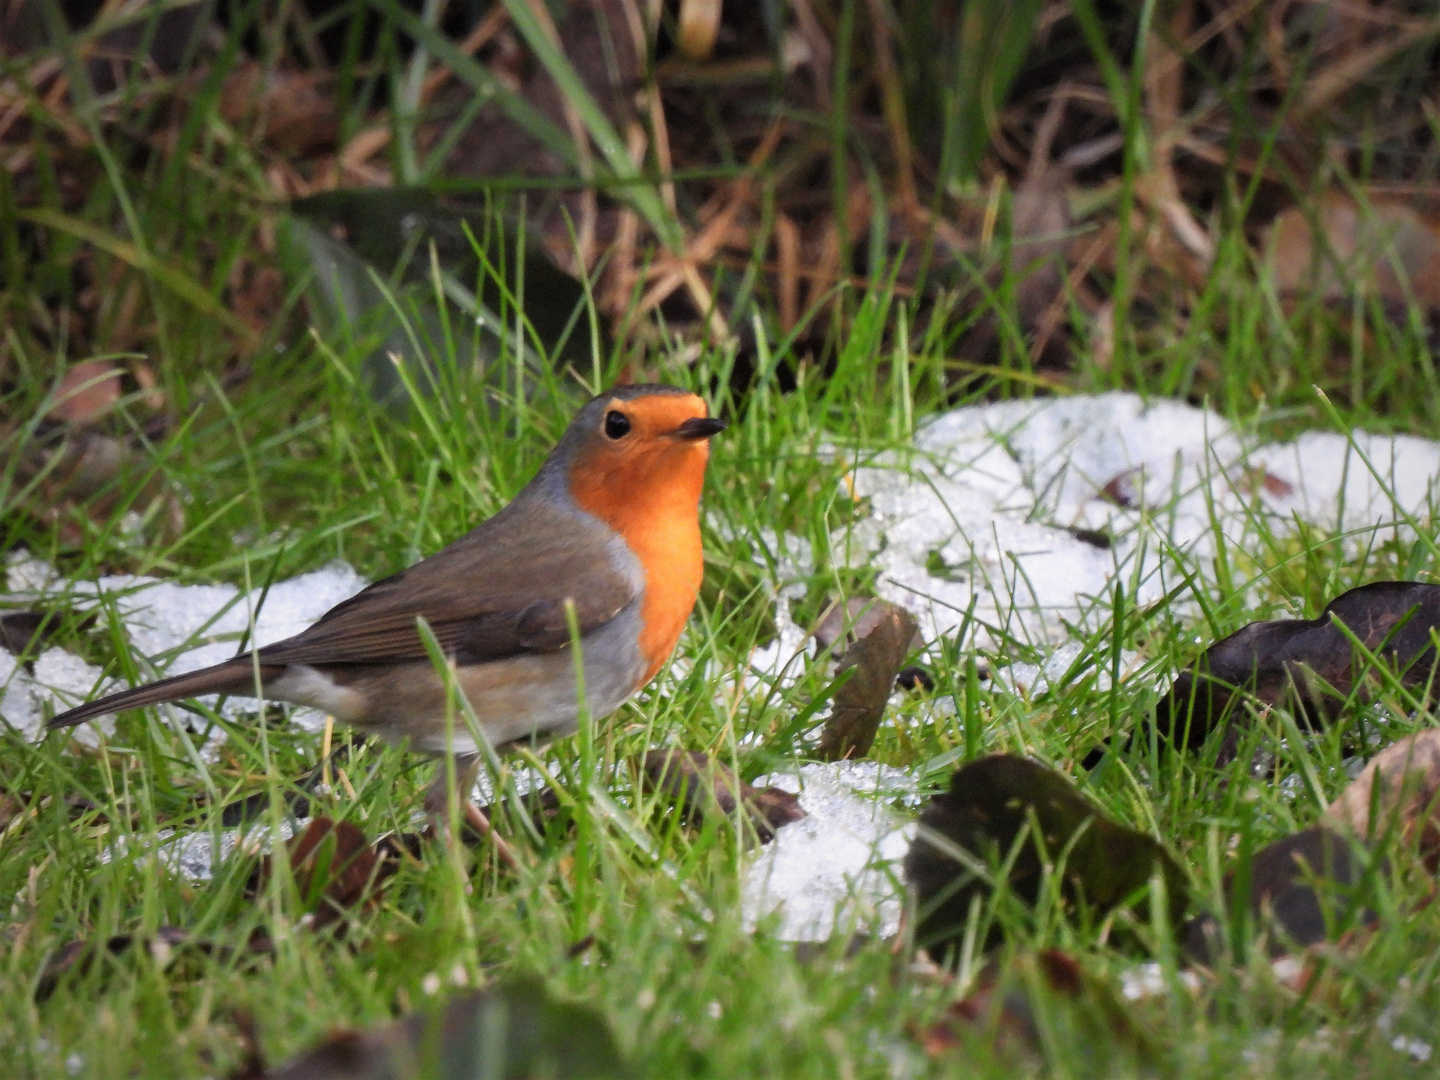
609 526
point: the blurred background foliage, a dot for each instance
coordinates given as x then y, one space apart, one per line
1220 199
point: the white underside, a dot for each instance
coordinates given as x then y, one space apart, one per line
304 685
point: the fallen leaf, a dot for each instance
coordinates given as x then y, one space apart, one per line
701 785
1035 259
26 634
1306 662
1096 538
514 1031
1320 971
989 803
1040 234
1254 478
292 111
1398 790
1328 253
1298 890
77 477
1004 1014
87 392
336 870
880 635
844 624
77 807
1125 489
342 241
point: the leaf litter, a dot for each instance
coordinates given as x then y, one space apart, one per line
509 1031
1006 820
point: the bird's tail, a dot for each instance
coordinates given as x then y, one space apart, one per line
236 676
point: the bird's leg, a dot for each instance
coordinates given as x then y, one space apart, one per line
437 803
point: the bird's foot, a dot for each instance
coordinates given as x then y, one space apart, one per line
475 827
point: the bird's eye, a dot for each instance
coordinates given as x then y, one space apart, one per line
617 424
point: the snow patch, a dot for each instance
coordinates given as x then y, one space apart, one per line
837 869
176 628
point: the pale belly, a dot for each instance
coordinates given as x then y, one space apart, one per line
513 699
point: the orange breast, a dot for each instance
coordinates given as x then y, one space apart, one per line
671 554
653 501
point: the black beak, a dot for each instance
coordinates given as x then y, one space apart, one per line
697 428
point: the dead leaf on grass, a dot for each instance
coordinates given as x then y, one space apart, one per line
77 807
290 110
166 945
702 785
87 392
1125 489
514 1031
1386 249
1398 790
1299 890
337 871
74 474
989 807
26 634
1003 1013
366 254
1039 240
876 637
1308 662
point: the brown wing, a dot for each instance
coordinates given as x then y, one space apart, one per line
498 591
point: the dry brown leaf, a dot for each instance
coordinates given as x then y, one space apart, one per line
1309 662
1399 789
1298 889
80 473
879 636
701 784
293 111
508 1030
335 868
75 958
989 811
1387 249
23 632
844 624
1001 1013
87 392
1040 237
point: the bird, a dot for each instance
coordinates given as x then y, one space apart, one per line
608 528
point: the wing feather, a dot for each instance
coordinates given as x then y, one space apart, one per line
498 591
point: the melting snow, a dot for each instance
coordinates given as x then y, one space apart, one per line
838 868
1008 507
57 675
179 628
193 855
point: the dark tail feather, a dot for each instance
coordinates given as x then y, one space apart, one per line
235 676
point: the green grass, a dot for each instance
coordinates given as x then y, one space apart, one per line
301 468
297 466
